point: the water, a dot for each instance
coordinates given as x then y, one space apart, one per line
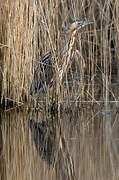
84 144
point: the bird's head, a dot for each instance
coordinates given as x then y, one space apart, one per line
76 25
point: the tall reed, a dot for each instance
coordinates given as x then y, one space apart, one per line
30 29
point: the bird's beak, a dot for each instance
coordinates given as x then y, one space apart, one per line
86 23
83 23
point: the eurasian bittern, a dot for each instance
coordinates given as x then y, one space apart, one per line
47 61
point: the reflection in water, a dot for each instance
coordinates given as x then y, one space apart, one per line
1 141
2 163
84 146
44 137
52 148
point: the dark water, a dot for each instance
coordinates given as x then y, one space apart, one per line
79 143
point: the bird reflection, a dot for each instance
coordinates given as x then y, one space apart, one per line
53 149
44 138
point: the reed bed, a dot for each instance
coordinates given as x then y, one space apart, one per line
30 29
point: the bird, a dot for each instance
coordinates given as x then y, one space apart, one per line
43 74
47 62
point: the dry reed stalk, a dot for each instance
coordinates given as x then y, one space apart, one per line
32 25
21 34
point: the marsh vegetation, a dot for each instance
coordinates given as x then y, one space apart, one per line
71 101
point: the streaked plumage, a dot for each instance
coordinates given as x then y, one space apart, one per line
42 80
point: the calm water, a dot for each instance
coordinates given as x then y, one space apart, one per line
83 143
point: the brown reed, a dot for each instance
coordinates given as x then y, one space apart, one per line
30 29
